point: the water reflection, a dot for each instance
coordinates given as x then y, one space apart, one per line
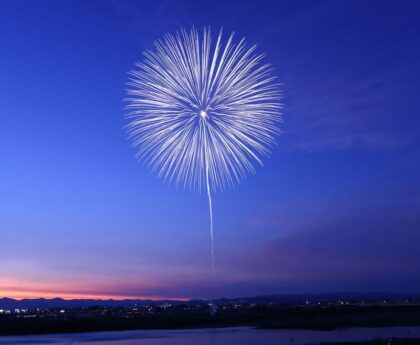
218 336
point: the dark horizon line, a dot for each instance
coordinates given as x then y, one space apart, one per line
279 295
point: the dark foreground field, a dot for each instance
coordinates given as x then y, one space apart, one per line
391 341
357 316
265 317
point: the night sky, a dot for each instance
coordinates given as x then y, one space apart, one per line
336 207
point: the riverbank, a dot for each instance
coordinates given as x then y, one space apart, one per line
389 341
260 318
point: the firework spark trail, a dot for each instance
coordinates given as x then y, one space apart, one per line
211 223
210 212
202 114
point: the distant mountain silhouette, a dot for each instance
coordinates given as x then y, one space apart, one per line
44 303
49 303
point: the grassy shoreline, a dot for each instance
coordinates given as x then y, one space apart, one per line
388 341
310 319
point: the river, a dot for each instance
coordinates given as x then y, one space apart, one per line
216 336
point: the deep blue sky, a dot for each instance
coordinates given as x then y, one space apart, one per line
337 207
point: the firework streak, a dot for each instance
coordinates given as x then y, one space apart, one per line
202 112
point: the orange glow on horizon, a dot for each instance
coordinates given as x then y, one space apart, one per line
18 295
21 289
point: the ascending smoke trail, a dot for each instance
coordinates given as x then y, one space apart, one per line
202 113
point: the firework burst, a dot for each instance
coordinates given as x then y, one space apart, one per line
202 113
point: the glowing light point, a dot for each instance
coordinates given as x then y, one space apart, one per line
203 114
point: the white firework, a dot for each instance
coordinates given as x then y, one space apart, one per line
202 113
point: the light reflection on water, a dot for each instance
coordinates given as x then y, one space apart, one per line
217 336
